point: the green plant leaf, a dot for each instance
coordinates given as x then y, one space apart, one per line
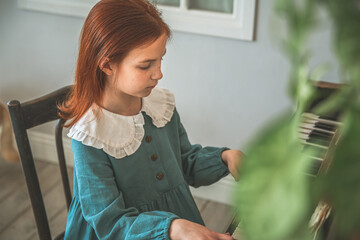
342 183
272 194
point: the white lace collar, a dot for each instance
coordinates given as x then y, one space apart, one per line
118 135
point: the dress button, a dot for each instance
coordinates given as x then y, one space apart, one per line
159 176
154 157
148 139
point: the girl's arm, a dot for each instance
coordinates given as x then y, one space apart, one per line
102 203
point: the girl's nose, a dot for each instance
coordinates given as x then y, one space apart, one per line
157 74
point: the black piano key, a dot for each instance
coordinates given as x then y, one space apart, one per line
324 140
233 225
311 127
314 167
322 134
318 152
325 126
318 141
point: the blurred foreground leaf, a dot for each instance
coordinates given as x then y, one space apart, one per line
342 183
273 195
273 189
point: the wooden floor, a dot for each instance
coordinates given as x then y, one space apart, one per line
17 219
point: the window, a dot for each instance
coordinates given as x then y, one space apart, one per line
221 18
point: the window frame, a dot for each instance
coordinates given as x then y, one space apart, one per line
238 25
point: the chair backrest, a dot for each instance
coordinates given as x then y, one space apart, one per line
23 117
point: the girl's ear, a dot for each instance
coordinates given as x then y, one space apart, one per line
106 67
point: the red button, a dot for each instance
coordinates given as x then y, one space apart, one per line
148 139
159 176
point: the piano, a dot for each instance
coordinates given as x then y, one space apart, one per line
320 133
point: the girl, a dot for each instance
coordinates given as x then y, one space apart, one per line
133 159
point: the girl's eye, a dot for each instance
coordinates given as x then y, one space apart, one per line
145 68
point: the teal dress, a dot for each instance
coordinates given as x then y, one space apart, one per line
138 195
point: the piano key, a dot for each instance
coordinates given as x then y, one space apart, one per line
323 134
321 119
237 234
325 126
318 152
313 138
303 141
316 158
314 151
233 225
311 127
314 166
318 125
316 139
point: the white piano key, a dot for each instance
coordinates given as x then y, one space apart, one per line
238 234
312 144
322 120
308 128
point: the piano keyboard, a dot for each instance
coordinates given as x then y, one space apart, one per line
320 135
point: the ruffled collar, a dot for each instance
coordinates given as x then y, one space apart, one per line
118 135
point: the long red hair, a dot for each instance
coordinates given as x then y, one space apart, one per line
111 30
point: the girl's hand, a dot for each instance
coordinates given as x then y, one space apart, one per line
181 229
233 159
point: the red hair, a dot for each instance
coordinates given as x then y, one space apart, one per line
111 30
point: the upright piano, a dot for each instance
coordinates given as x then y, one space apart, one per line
320 133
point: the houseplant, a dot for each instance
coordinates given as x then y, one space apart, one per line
274 197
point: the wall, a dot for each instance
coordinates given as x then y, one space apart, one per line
225 89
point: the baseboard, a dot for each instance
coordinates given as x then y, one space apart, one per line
43 147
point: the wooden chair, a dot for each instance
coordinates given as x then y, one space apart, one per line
23 117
